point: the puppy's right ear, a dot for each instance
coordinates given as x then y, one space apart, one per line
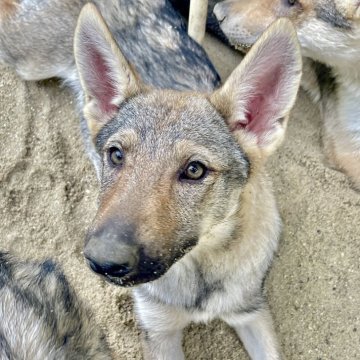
256 99
105 75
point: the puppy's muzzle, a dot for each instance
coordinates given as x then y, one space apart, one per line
113 251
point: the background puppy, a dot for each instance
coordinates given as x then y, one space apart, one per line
41 316
329 33
186 208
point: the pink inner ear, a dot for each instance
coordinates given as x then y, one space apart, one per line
256 115
263 105
101 86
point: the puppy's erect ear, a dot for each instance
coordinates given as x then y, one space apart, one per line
258 96
106 77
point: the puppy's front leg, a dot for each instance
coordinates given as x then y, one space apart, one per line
162 345
161 327
256 331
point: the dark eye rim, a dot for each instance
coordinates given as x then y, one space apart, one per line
292 2
110 151
184 178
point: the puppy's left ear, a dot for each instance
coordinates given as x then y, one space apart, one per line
258 96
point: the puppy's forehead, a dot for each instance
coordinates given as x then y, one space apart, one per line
161 111
166 117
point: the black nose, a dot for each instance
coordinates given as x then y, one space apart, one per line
110 269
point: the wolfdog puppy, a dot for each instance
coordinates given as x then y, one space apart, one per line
41 316
186 211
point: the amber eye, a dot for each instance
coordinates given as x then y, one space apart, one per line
116 156
194 171
292 2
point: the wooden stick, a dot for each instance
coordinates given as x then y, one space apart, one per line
197 19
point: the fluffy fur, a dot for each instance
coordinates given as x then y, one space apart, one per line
41 316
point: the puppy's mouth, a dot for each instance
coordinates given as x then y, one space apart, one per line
243 47
149 269
137 278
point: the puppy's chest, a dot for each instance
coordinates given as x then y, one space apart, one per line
201 294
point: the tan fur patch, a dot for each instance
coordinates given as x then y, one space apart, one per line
152 215
348 8
350 164
7 8
258 15
346 162
157 215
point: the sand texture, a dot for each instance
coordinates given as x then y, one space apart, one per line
48 197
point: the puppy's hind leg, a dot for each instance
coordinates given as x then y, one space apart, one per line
256 332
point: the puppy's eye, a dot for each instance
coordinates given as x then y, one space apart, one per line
194 171
292 2
116 156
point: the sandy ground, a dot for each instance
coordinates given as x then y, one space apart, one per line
48 196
